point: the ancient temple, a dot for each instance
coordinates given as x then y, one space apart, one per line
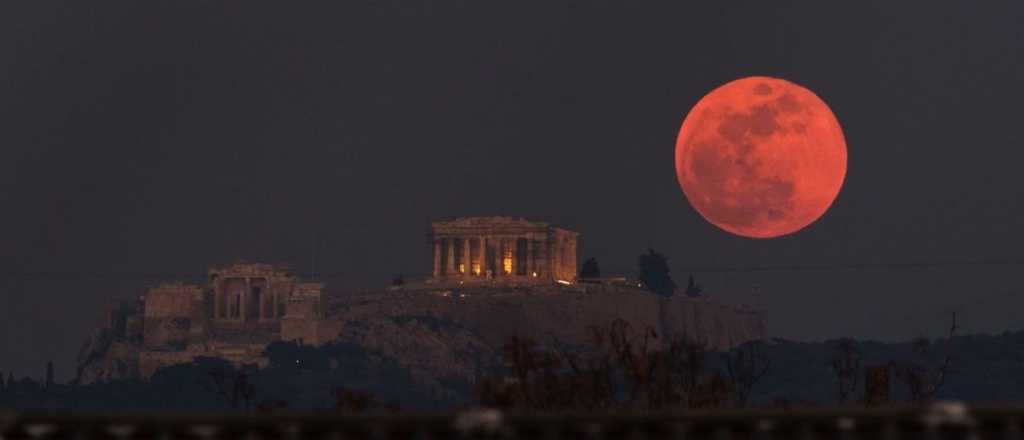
502 248
243 308
240 309
250 292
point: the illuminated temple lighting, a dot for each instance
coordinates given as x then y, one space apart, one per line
501 248
506 262
563 282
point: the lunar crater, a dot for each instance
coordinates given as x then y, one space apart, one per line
758 167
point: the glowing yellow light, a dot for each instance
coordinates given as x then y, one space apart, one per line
563 282
535 274
462 268
506 262
476 268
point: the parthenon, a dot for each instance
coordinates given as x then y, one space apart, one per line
502 248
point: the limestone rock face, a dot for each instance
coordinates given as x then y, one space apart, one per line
440 354
558 314
104 357
444 334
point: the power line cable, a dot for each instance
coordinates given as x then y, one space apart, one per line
138 275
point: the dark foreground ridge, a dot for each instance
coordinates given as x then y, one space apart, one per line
945 420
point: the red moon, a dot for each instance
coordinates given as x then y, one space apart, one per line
761 157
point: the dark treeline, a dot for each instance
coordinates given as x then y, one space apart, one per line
625 368
298 377
622 367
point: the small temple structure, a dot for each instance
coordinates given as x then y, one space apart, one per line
502 248
243 307
255 292
492 277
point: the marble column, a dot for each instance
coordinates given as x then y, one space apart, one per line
273 300
216 301
437 257
244 306
531 266
511 243
500 250
482 256
496 256
450 264
545 260
514 246
467 262
263 302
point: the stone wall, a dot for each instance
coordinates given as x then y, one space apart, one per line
169 313
564 255
565 314
441 329
170 301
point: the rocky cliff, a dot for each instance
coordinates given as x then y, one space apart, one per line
447 334
557 313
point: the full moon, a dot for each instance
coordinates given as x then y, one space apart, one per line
761 157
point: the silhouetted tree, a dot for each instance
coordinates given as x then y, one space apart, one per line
634 353
233 385
293 357
49 374
200 383
686 360
923 382
654 273
846 366
623 368
693 289
27 385
590 269
10 381
746 365
398 280
353 401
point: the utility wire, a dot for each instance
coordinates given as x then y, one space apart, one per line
855 266
73 276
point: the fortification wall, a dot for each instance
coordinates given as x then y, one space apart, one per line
565 314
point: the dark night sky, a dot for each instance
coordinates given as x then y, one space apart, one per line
163 136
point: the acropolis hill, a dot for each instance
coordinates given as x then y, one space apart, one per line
493 278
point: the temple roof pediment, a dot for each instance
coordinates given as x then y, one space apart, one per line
251 269
489 222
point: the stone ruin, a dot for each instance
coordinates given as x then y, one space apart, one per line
241 309
502 248
493 278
